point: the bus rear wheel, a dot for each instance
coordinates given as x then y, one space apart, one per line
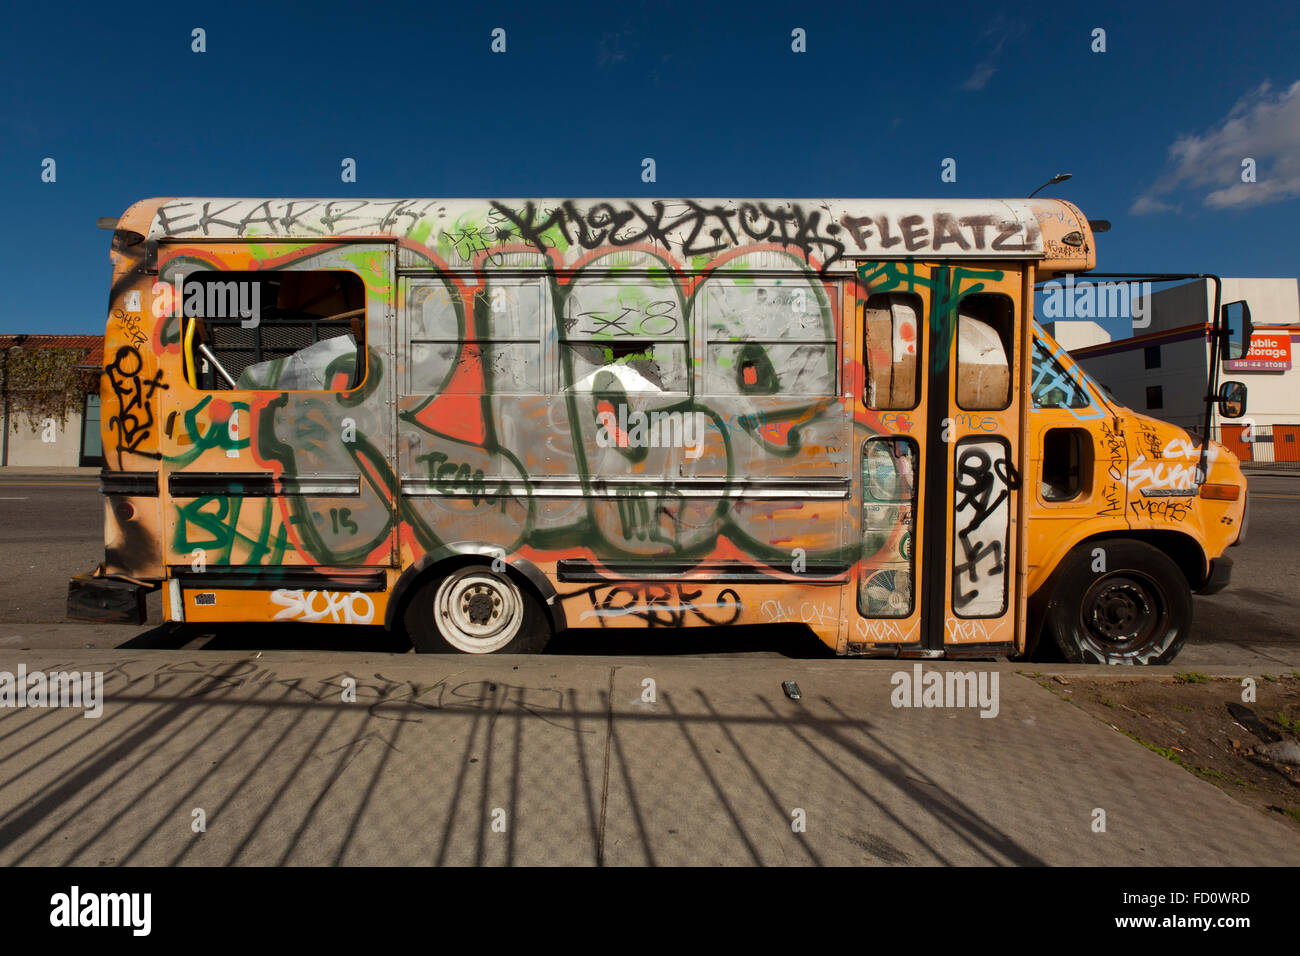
475 610
1137 610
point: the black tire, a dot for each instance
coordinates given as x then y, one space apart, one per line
1137 611
475 610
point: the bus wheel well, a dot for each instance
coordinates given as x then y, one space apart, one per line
431 568
1180 548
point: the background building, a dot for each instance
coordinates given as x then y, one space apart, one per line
1163 369
55 440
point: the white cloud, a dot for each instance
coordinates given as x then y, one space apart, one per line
1146 204
994 38
984 71
1264 125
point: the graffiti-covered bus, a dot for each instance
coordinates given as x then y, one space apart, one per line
485 421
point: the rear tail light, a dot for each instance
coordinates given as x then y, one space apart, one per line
1221 492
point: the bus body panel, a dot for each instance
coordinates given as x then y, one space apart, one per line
662 413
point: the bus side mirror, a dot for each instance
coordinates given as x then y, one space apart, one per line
1235 328
1232 399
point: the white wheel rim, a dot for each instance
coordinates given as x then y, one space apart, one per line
478 611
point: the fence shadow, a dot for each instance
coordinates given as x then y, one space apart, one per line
411 769
787 640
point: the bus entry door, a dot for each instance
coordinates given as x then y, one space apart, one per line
938 432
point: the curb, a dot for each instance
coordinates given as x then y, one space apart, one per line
21 471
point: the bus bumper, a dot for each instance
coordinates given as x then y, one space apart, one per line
106 600
1219 577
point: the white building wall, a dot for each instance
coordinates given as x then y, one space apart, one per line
1273 396
1182 366
28 447
1076 334
1272 301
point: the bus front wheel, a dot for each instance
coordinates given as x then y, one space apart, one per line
476 610
1120 602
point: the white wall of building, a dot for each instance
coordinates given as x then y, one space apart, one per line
1181 378
1272 302
28 447
1273 396
1073 334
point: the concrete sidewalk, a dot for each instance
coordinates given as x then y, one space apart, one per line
1267 470
44 471
573 766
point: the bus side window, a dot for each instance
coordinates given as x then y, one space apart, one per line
767 337
1067 463
984 334
287 331
891 323
492 339
629 332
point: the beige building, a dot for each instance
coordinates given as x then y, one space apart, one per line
73 442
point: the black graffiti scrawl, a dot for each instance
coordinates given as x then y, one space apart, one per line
823 232
133 420
981 511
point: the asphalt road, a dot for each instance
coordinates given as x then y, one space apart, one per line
50 528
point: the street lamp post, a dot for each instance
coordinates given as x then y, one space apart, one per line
1058 178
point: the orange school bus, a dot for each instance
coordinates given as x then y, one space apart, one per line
483 421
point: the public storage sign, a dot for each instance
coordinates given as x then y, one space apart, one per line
1269 351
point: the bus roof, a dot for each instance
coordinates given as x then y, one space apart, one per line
824 232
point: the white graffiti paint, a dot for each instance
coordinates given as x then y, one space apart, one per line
880 632
1144 474
1183 448
1159 474
1172 466
774 612
810 612
337 606
961 630
824 613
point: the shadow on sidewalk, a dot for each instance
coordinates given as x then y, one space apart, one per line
786 640
259 742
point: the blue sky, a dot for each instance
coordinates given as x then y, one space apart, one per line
1154 129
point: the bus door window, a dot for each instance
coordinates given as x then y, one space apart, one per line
886 586
892 336
984 335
